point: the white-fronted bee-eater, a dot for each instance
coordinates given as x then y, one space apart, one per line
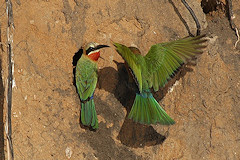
86 81
153 71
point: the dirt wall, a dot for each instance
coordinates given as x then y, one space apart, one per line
203 99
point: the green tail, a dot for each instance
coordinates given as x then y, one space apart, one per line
88 114
147 110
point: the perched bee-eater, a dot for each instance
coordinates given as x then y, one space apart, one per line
86 81
153 71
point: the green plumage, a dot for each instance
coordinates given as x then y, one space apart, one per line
86 81
153 71
146 110
88 114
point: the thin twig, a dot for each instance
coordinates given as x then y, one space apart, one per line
193 15
231 17
181 18
8 126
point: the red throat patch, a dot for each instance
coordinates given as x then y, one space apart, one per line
94 56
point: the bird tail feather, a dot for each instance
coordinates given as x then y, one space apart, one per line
88 114
147 110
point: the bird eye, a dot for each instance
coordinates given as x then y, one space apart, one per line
89 50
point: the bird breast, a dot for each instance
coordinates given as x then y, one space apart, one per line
94 56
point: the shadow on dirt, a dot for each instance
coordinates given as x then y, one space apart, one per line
134 134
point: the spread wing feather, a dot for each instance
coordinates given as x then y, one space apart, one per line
164 59
134 61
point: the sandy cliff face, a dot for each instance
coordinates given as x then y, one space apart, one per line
203 99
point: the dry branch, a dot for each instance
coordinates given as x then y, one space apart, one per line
8 126
194 17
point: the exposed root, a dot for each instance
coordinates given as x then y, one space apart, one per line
237 33
231 17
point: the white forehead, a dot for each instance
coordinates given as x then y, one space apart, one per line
92 44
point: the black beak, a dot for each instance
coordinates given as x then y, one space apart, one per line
95 48
100 46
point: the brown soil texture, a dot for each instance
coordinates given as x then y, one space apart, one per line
203 98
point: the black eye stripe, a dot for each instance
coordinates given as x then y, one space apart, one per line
90 49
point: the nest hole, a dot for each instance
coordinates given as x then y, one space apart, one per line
210 6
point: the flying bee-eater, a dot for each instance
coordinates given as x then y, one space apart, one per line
86 81
153 71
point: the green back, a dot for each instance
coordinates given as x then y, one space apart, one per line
86 77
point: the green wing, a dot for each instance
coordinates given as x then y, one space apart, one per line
86 77
134 61
164 59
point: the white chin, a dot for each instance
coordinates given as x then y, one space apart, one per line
93 52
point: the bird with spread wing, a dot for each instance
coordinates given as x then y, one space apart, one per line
153 71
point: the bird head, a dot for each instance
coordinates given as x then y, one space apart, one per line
92 50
